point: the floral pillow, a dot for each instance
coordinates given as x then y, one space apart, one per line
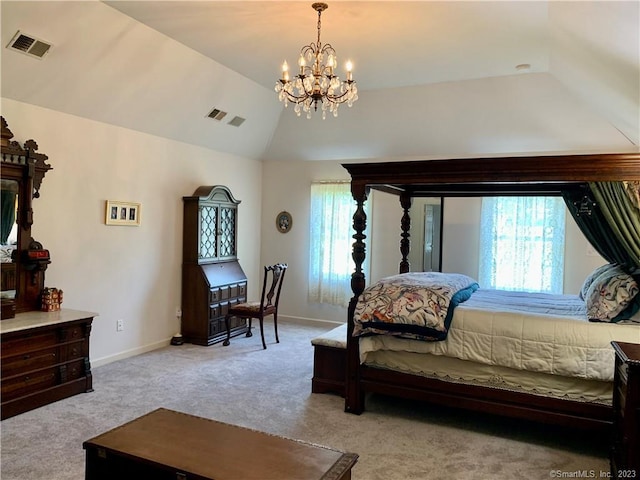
592 276
610 294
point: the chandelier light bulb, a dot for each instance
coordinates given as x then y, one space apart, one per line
285 71
316 83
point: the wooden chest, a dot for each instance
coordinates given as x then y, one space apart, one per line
165 444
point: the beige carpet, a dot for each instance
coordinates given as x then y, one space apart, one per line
270 390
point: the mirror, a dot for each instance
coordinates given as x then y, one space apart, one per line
23 261
426 234
432 258
9 190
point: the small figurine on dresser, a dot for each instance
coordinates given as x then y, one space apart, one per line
51 299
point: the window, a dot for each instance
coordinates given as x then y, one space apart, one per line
331 230
522 244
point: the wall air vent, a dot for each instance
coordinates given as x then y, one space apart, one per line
217 114
236 121
29 45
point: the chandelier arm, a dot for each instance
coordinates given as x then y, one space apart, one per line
339 98
296 98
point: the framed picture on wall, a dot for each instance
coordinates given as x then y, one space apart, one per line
284 222
122 213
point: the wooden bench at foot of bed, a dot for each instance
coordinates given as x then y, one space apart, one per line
330 361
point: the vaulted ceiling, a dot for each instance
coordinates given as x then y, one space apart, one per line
436 79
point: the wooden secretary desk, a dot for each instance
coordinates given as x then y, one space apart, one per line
212 278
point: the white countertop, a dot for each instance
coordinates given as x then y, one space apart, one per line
37 318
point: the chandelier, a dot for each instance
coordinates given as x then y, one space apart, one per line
315 82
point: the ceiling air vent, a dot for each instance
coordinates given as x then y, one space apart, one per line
217 114
236 121
29 45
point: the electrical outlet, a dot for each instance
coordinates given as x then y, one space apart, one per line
119 325
178 312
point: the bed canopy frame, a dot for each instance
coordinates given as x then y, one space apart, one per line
528 175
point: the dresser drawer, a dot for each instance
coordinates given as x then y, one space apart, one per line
214 295
75 350
237 290
218 310
218 294
214 311
28 342
235 301
29 361
217 327
69 334
226 292
71 371
14 387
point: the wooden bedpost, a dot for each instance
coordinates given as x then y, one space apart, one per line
405 225
354 395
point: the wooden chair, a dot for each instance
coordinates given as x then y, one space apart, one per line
273 276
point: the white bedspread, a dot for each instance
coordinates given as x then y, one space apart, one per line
545 333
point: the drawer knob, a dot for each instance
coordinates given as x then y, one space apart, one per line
26 357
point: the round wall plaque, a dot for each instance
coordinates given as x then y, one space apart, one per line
284 222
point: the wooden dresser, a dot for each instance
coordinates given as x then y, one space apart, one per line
212 278
45 358
625 452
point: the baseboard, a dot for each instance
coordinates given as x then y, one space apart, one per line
97 362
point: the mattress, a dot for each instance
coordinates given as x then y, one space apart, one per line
538 333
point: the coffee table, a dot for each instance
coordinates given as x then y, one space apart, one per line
165 444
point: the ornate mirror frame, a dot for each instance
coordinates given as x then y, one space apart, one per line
25 271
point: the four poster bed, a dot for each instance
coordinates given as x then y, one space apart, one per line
507 358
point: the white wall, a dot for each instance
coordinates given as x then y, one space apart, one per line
287 186
129 273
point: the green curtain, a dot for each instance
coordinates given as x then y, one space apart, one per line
623 216
609 220
7 214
